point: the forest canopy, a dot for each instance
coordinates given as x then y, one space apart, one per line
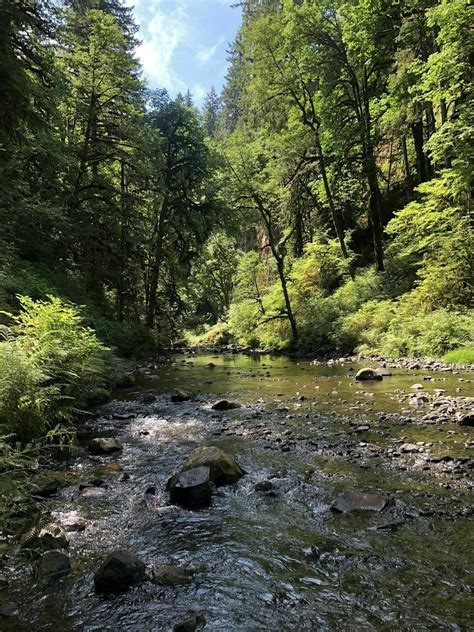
320 203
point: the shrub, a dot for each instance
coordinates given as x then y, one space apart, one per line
460 356
51 366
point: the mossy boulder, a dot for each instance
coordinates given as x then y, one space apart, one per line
224 469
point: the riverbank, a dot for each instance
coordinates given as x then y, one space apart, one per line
268 552
434 364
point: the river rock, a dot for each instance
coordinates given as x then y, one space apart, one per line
191 488
409 447
418 399
264 486
354 501
223 404
417 387
191 622
9 610
47 487
180 396
54 564
367 374
73 522
224 470
467 420
53 536
171 575
383 371
104 446
120 570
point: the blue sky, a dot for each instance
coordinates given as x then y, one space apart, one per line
184 43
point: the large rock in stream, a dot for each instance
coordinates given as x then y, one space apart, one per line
357 501
120 570
104 446
191 488
224 404
224 469
367 374
53 565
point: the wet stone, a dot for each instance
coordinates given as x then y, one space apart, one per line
171 575
53 565
104 446
73 522
53 536
264 486
46 488
409 447
224 404
120 570
368 374
191 488
9 610
180 396
355 501
192 622
467 420
224 470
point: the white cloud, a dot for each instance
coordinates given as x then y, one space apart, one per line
199 92
205 54
162 36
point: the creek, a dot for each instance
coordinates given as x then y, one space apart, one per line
271 557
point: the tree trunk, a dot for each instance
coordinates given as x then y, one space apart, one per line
375 205
406 166
335 215
286 296
123 245
155 268
417 132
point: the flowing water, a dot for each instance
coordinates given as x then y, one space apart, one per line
273 561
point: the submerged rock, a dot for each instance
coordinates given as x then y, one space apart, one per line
53 565
45 488
191 488
367 375
120 570
171 575
224 470
9 610
355 501
383 371
224 404
191 622
180 396
264 486
104 446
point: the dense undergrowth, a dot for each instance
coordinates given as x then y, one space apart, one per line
419 306
52 367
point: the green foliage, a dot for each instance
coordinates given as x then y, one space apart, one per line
433 238
388 329
460 356
212 276
51 366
